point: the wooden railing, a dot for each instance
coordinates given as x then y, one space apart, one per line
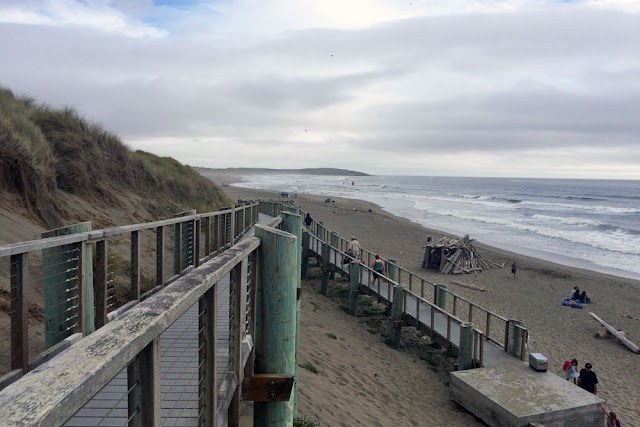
488 324
94 294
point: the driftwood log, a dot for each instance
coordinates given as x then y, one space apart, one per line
624 340
454 256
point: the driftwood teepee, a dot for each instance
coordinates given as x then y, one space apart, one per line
454 256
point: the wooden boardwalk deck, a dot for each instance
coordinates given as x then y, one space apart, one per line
178 366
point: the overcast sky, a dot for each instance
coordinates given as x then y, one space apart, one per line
415 87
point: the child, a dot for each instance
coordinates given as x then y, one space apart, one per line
612 417
571 370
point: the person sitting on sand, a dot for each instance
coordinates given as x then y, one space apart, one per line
584 298
378 269
575 293
612 417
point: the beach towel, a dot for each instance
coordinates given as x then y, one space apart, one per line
572 303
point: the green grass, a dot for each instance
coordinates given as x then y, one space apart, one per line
429 361
332 336
309 367
306 422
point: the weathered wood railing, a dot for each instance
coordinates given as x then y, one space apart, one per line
457 308
95 295
263 267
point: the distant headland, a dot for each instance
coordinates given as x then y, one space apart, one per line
265 171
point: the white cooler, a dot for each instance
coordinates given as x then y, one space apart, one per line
538 362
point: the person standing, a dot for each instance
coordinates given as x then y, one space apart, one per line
378 269
588 379
514 268
571 373
353 248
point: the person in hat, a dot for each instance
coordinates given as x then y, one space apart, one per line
588 379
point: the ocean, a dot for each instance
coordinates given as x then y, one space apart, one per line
592 224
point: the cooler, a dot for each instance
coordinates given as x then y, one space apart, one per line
538 362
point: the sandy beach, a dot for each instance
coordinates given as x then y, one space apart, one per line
343 392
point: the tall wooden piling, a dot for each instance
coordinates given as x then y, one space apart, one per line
354 287
441 296
324 278
304 267
292 223
515 338
275 351
465 353
392 270
397 307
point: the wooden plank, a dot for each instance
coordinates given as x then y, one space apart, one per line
160 256
207 337
624 340
235 342
19 311
267 388
100 283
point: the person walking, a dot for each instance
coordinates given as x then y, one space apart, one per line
378 269
588 379
308 221
571 370
353 248
514 268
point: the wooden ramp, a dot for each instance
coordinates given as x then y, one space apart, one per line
178 365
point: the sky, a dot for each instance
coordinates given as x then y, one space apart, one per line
504 88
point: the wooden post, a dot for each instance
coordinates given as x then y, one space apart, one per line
304 268
143 378
183 243
488 324
441 296
19 310
160 256
208 397
135 266
292 223
196 243
334 243
236 326
514 337
397 309
354 287
324 280
233 226
207 235
100 284
62 267
392 269
467 346
321 230
275 352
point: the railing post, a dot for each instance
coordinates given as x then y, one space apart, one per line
236 324
467 346
196 242
441 296
143 378
100 284
232 226
488 324
275 352
207 340
207 236
304 268
397 308
160 256
321 231
334 242
324 279
19 310
514 343
354 287
135 266
392 269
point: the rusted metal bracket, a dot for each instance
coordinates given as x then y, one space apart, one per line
267 387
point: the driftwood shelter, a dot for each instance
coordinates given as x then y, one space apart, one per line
454 256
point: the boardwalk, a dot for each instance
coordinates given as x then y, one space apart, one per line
179 369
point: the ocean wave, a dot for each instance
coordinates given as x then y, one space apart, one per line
589 208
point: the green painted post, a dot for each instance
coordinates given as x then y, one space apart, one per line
392 269
441 296
276 350
304 268
396 315
59 271
515 339
182 242
354 287
333 238
324 280
321 230
465 354
292 223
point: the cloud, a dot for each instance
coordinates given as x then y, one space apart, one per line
238 83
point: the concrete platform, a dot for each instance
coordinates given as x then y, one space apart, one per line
515 395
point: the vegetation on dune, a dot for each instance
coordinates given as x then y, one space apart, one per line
44 150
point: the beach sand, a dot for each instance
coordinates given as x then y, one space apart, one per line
405 392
